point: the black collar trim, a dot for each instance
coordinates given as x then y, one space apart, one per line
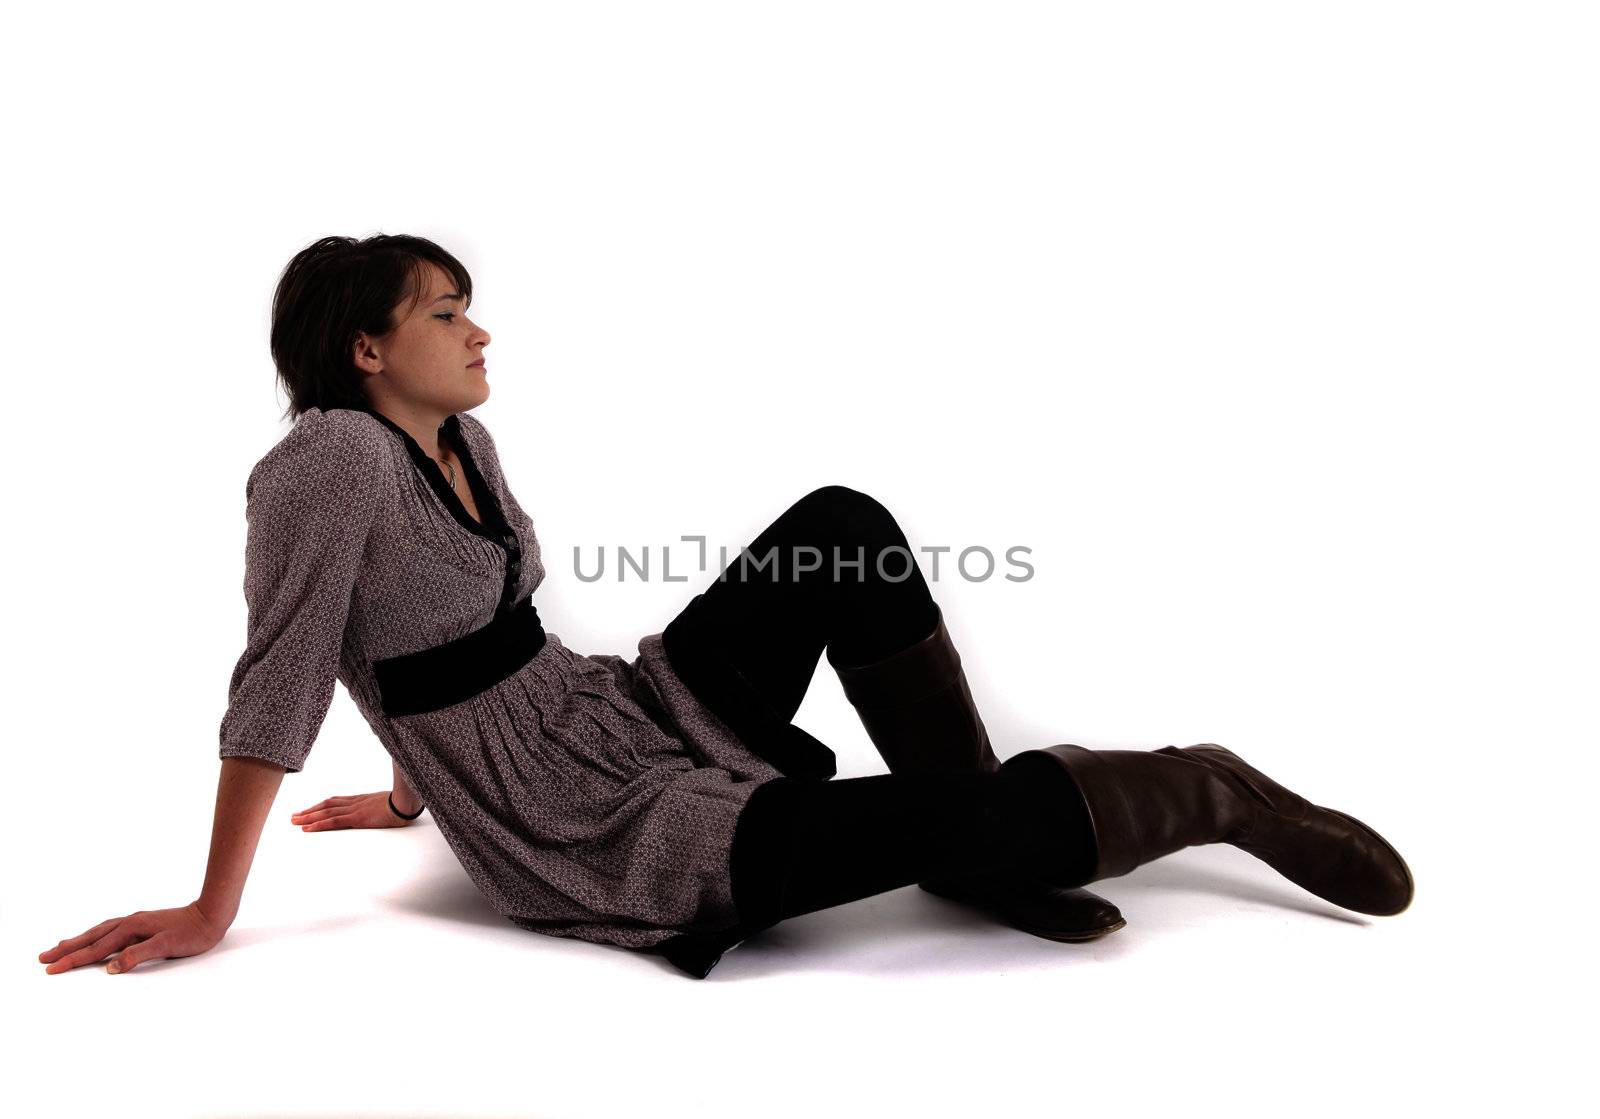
494 526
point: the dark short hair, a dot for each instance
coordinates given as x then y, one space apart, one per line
335 287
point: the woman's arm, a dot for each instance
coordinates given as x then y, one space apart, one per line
246 789
310 503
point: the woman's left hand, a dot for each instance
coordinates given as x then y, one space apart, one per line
367 810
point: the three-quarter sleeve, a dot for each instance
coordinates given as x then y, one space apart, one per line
310 504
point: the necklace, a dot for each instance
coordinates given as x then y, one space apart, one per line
452 471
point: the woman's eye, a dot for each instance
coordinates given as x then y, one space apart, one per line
446 315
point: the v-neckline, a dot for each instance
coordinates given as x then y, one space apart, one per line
493 527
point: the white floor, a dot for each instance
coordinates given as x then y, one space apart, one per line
1267 330
383 985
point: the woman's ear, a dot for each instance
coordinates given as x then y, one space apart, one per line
364 354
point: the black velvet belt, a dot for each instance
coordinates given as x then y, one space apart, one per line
458 670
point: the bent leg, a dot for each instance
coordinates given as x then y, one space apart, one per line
834 571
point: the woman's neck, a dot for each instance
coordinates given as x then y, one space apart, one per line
421 424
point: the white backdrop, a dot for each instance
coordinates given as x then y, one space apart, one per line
1268 328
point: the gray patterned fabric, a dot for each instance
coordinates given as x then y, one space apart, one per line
586 796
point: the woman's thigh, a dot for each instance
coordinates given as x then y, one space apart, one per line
801 846
833 571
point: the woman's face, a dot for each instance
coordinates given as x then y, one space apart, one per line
432 361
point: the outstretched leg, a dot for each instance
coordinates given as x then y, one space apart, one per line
1061 813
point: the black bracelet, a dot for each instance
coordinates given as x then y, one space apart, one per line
401 814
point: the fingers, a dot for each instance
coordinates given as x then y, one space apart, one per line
78 941
133 956
312 815
328 803
328 819
116 939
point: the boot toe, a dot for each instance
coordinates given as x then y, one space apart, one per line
1328 852
1381 880
1062 914
1337 857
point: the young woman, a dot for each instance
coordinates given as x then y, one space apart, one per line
667 804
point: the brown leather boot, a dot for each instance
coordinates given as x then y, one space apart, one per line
1147 803
919 713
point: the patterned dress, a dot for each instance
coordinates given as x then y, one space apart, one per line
586 796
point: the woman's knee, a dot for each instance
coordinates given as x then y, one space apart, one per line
859 515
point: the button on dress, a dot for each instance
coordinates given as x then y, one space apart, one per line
586 796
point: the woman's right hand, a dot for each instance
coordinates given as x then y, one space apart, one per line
147 935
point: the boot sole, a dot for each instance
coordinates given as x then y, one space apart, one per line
1063 936
1074 937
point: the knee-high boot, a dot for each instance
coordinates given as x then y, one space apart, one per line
918 711
1145 804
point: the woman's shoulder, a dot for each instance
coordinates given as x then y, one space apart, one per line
481 442
337 447
476 427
